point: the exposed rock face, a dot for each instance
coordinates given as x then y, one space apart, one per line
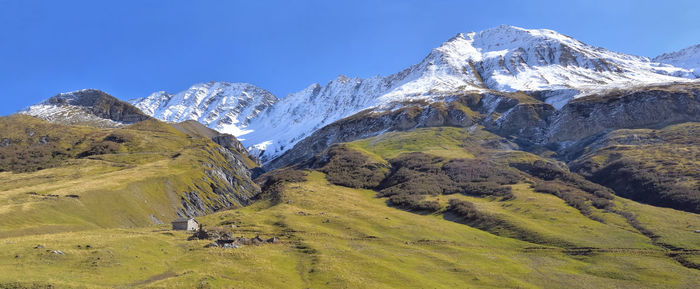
230 142
370 123
502 59
652 107
102 105
87 107
229 180
517 116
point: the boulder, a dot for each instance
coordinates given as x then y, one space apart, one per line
211 245
257 240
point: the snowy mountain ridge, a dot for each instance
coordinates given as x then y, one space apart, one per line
504 58
688 58
226 107
86 107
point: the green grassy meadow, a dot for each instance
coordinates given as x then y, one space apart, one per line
330 236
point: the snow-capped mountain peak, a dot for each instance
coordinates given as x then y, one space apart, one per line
504 58
511 58
86 107
688 58
226 107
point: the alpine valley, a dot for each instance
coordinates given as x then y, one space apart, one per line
506 158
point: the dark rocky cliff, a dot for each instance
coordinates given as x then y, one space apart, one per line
100 104
517 116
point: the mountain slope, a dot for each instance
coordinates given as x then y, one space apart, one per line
226 107
86 107
555 67
58 178
340 236
688 58
657 167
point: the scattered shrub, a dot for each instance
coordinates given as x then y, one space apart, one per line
415 173
632 220
418 173
272 183
119 137
541 169
475 218
479 170
413 202
101 148
575 197
633 180
350 168
19 159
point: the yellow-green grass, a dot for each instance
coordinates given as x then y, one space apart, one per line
332 237
545 215
551 220
676 228
138 186
672 150
445 142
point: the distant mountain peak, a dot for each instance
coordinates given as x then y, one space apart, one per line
504 58
86 107
224 106
688 58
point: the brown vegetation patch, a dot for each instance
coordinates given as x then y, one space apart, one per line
350 168
272 183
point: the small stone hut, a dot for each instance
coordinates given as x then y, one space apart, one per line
185 224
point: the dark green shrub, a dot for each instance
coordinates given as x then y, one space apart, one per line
418 173
119 137
541 169
101 148
633 180
575 197
272 183
350 168
415 173
479 170
413 202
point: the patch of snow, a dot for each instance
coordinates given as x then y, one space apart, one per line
504 58
688 58
68 114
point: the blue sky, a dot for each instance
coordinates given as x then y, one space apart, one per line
132 48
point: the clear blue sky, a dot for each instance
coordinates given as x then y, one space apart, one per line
132 48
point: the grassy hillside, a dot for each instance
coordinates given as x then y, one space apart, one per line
334 237
658 167
495 218
601 219
61 178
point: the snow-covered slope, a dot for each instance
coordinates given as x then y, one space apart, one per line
86 107
226 107
504 58
688 58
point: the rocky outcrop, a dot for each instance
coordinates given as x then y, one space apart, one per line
370 123
228 183
652 107
516 116
230 142
101 105
90 107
